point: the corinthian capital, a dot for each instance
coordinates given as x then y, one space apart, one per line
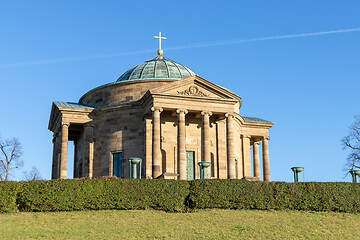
229 115
156 109
246 136
206 113
181 111
89 124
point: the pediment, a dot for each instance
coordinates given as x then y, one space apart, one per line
195 86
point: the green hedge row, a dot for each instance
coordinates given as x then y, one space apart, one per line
73 195
8 195
311 196
176 196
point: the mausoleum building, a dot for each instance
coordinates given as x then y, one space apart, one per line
164 113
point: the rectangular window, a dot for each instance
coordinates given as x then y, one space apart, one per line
117 164
236 169
190 165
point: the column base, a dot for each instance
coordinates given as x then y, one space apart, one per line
168 175
251 178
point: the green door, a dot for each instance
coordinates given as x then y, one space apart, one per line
117 164
190 165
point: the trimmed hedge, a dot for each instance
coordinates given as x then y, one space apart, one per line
176 196
122 194
241 194
8 194
233 194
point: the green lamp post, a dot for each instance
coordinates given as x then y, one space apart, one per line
297 171
355 175
203 166
133 162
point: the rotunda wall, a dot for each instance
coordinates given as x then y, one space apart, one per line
118 131
120 92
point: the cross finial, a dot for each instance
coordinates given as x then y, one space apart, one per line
160 51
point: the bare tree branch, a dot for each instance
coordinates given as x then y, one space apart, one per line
33 175
10 157
351 142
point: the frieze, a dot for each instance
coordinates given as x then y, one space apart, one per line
193 91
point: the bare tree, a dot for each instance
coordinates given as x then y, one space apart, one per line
352 143
10 157
33 175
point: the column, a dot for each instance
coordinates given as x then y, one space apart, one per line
266 163
64 150
75 172
87 164
54 162
205 156
91 159
181 143
256 160
156 143
230 146
58 155
222 155
148 148
246 155
240 165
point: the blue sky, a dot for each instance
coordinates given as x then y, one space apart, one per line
307 85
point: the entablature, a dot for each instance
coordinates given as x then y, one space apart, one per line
70 115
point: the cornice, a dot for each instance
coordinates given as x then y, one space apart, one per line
112 84
116 107
190 97
242 122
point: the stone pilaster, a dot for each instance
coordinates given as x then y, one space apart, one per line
230 146
156 143
256 160
246 155
87 164
75 172
148 148
181 143
266 163
54 162
205 156
64 150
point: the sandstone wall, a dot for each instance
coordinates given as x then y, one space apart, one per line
119 92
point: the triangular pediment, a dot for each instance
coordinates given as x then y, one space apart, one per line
195 86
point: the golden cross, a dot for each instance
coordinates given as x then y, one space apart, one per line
159 37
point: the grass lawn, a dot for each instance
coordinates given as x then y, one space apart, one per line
204 224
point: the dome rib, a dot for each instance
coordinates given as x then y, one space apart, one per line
155 63
175 64
142 71
132 72
167 69
187 69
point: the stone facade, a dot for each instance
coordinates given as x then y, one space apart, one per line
171 125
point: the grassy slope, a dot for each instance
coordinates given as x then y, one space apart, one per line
205 224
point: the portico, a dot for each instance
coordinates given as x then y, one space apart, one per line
203 121
207 139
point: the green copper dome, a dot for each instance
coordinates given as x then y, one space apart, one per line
159 68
